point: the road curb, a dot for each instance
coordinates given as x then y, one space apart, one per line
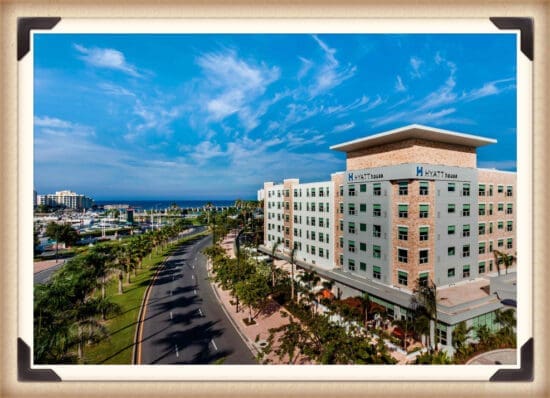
244 338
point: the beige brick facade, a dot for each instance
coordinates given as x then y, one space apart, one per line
412 151
337 180
413 222
288 213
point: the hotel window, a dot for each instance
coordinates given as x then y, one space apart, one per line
326 207
287 243
402 255
351 246
423 188
465 210
327 252
321 207
500 243
466 230
451 251
481 229
312 192
509 226
321 192
351 209
450 187
451 230
465 189
481 268
362 266
341 190
481 209
481 248
312 221
341 225
490 265
423 233
450 272
351 264
321 222
341 242
313 250
500 225
312 234
327 191
362 227
490 246
403 188
466 251
376 252
341 208
362 207
403 211
423 279
295 231
376 230
509 243
442 334
307 220
481 189
321 252
312 207
376 210
321 238
500 188
402 278
490 227
424 210
377 189
376 272
363 246
351 227
450 208
363 188
402 233
466 271
295 193
508 190
351 190
500 207
491 190
341 259
287 193
423 256
295 205
490 209
509 208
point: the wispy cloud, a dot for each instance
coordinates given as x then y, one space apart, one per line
233 84
488 89
305 68
154 117
498 164
107 58
399 86
330 74
359 102
61 128
113 89
374 104
416 63
343 127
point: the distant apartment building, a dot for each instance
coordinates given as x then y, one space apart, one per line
411 205
67 199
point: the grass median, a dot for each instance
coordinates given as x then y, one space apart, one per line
117 347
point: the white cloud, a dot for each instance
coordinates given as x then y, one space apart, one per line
399 86
377 102
416 63
113 89
57 127
359 102
107 58
330 74
305 68
343 127
51 122
156 117
432 116
488 89
498 164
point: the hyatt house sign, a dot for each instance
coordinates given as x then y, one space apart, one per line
412 171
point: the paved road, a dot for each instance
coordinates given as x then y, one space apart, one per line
184 322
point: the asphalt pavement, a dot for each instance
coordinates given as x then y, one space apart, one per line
184 322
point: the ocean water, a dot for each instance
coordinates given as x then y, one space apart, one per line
164 204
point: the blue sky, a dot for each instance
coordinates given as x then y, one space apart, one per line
214 116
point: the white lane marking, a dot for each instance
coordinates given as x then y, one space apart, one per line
200 312
177 352
214 344
192 276
171 317
193 267
195 291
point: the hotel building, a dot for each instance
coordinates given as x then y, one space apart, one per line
411 205
67 199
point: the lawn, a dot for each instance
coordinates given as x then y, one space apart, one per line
117 348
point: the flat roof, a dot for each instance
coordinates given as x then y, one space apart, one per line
414 131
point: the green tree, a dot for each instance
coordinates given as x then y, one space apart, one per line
503 258
273 250
253 293
61 233
425 294
433 358
292 282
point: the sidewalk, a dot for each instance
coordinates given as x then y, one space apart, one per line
42 265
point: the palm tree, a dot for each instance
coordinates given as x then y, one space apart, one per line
292 259
273 250
425 293
507 259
